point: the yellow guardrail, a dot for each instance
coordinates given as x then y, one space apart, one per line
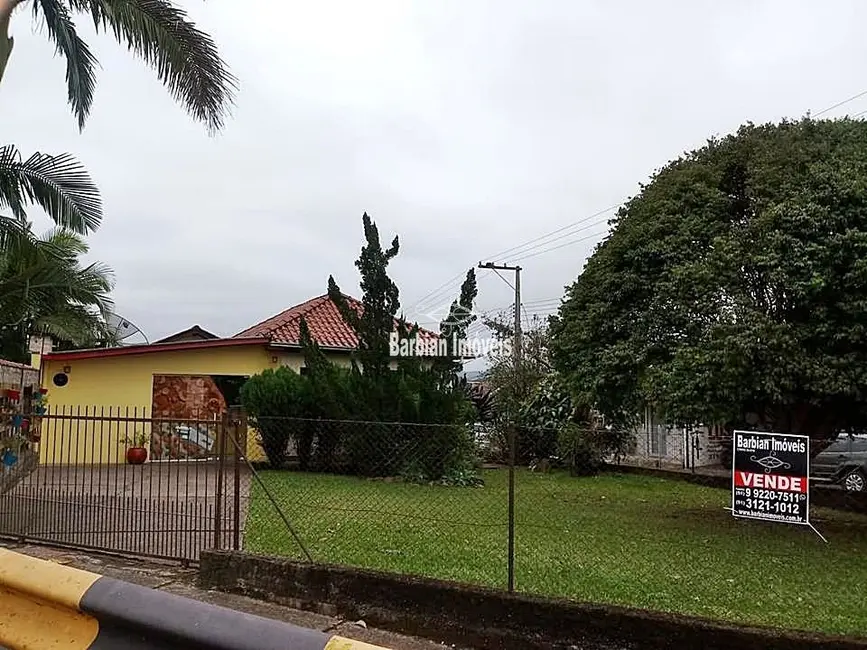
45 605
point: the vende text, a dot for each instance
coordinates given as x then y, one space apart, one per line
771 482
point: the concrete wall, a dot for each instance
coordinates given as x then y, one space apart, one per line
13 374
469 616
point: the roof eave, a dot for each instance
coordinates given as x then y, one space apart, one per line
297 346
133 350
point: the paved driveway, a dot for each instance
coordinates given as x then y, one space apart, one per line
163 509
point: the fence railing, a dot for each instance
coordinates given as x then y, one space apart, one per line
125 482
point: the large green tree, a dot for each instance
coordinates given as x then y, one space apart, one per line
453 329
380 302
185 58
383 416
733 288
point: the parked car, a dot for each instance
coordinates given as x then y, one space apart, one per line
843 462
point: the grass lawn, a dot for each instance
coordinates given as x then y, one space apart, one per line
621 539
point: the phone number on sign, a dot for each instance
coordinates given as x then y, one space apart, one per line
771 495
779 507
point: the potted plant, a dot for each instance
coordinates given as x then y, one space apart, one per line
136 453
13 394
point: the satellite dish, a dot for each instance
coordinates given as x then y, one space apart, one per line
124 330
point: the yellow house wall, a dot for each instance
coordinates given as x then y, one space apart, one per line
105 390
105 396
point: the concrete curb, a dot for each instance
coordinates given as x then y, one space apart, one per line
48 605
485 618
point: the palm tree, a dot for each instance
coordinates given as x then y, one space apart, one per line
45 288
185 58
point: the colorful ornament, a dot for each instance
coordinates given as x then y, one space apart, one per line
9 458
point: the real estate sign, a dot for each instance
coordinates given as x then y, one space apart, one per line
770 477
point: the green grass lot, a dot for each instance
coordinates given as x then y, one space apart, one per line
645 542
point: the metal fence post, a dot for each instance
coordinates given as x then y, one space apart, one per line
221 467
511 551
239 430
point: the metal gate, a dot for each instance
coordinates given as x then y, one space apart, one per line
85 489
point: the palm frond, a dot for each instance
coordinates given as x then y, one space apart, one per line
6 41
59 184
80 62
42 281
14 234
73 323
185 58
65 243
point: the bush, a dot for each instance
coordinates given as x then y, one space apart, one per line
582 449
342 421
420 428
270 398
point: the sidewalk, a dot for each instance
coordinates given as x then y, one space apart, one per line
182 582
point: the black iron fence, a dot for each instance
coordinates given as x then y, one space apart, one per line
120 480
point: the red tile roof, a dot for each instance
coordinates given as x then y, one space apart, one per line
327 326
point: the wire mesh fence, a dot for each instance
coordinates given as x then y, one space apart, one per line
408 498
534 509
399 497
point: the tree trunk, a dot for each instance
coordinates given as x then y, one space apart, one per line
6 42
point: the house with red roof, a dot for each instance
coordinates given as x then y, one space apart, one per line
193 375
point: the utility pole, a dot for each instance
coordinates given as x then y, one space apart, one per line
516 352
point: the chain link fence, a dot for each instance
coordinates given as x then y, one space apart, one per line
407 498
447 502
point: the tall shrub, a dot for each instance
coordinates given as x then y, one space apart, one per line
271 399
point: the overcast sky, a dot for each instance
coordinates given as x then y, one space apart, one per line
466 127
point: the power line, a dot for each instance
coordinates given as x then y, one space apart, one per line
444 290
540 245
554 248
536 247
839 104
523 248
515 249
439 288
